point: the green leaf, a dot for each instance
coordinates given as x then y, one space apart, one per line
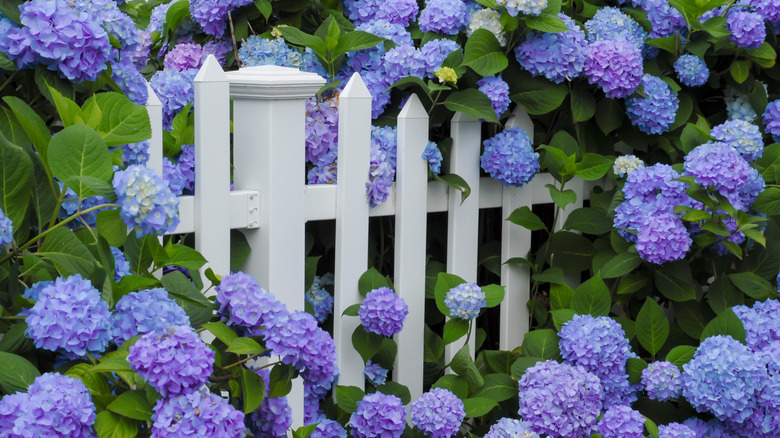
609 115
347 397
621 265
715 26
246 346
111 365
561 317
304 431
674 281
111 226
69 111
680 355
553 275
132 404
464 366
545 22
472 103
16 182
723 295
357 40
221 331
396 389
768 201
79 151
541 343
445 282
456 182
176 13
300 38
560 296
727 324
370 280
588 221
111 425
498 387
499 361
253 389
68 254
634 368
522 364
483 53
478 406
524 217
592 298
366 343
753 285
180 287
264 6
351 310
764 55
571 251
455 329
671 43
652 326
32 124
631 283
17 373
583 104
541 101
692 317
456 384
281 380
740 71
494 294
562 198
123 121
593 167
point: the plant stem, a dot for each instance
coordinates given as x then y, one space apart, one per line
246 359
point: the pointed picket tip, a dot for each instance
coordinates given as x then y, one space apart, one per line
521 119
211 71
152 99
413 109
459 117
355 89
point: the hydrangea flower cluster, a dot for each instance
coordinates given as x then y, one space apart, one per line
489 19
747 28
510 158
762 324
7 229
199 413
70 317
772 118
662 380
511 428
559 399
556 56
146 200
497 90
174 361
610 23
438 413
622 422
465 301
395 11
665 19
184 56
54 406
175 90
246 304
654 113
383 312
375 373
274 416
444 16
329 429
738 106
615 66
146 311
403 61
526 7
743 136
625 164
322 130
384 143
676 430
691 70
130 80
371 59
434 53
135 153
378 415
319 298
432 154
211 14
662 238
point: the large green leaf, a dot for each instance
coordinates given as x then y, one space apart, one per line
588 221
44 192
652 326
526 218
16 183
674 281
132 404
253 389
464 366
727 324
753 285
542 100
347 397
68 254
123 121
366 343
592 298
548 23
498 387
541 343
17 373
79 151
583 104
621 264
357 40
483 53
472 103
692 317
32 124
111 425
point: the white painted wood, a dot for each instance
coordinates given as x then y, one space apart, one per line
155 110
463 217
244 211
212 166
269 157
410 223
351 223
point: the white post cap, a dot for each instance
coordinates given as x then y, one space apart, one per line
271 82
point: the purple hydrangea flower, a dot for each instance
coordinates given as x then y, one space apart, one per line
615 66
322 174
747 28
438 413
274 416
511 428
328 429
465 301
383 312
559 399
772 118
743 136
375 373
320 300
199 413
130 80
12 406
662 380
174 361
444 16
173 176
121 265
662 238
654 113
497 90
403 61
556 56
676 430
622 422
433 155
720 365
175 90
142 312
246 304
211 15
186 164
598 344
527 7
510 158
135 153
768 9
378 415
6 229
257 50
434 52
665 19
691 70
34 291
322 130
371 59
218 48
69 316
762 323
146 200
610 23
394 11
380 175
184 56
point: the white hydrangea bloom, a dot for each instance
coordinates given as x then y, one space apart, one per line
626 164
527 7
738 106
489 19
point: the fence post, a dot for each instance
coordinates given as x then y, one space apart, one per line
410 222
212 166
351 222
269 157
515 242
155 110
463 217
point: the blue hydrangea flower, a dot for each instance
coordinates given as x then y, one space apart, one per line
434 52
371 59
497 90
676 430
146 200
53 406
263 51
173 176
598 344
465 301
382 166
186 164
510 158
328 429
394 11
322 174
322 130
615 66
772 118
174 361
274 416
662 380
610 23
175 90
142 312
211 15
691 70
6 229
444 16
662 238
403 61
34 291
320 300
375 373
625 164
665 19
556 56
433 155
559 399
747 28
511 428
184 56
622 422
768 9
383 312
246 304
199 413
762 323
738 106
121 265
135 153
743 136
378 415
720 365
130 80
527 7
438 413
654 113
69 316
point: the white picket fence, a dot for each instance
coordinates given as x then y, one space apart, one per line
271 203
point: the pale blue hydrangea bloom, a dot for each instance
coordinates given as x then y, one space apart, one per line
654 113
743 136
438 413
691 70
320 300
146 201
145 311
526 7
465 301
610 23
121 265
375 373
489 19
6 229
662 381
511 428
434 157
510 158
738 107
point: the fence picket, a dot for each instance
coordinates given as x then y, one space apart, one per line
155 111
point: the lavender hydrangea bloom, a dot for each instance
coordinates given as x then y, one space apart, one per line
662 238
691 70
527 7
560 399
322 129
397 11
743 136
246 304
274 416
762 323
615 66
184 56
444 16
768 9
320 300
211 15
173 176
747 28
403 61
510 158
511 428
622 422
598 344
433 155
434 52
676 430
654 113
130 80
174 361
135 153
662 381
6 229
69 316
257 50
378 415
610 23
383 312
196 414
380 175
372 58
322 174
497 90
121 265
54 406
146 200
375 373
438 413
465 301
556 56
175 90
772 118
719 365
328 429
665 19
186 164
142 312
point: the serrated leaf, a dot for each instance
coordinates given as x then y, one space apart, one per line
652 326
483 53
541 343
472 103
